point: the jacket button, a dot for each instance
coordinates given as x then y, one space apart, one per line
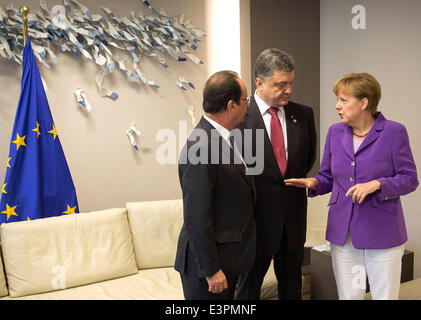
351 179
352 163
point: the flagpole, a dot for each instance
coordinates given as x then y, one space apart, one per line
24 10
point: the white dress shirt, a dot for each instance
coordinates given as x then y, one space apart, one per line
357 144
264 107
225 133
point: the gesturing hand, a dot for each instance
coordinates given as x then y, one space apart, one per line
310 183
361 190
217 282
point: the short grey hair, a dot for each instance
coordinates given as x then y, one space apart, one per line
271 60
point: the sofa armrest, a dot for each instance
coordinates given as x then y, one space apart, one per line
3 287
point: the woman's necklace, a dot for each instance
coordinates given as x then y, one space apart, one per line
360 135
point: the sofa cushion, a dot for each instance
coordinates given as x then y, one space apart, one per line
66 251
3 288
150 284
155 226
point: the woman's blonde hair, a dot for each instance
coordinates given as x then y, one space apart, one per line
360 85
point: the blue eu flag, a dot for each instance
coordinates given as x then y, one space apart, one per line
38 183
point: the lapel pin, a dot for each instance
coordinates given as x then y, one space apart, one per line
293 120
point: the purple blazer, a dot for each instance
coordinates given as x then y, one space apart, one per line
385 155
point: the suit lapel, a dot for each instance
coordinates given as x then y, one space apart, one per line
371 137
242 169
347 138
347 142
254 120
225 150
293 135
374 132
240 166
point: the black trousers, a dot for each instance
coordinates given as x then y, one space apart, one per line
196 288
287 265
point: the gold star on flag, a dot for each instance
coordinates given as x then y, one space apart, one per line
20 141
70 210
53 131
8 163
37 130
10 211
4 188
27 218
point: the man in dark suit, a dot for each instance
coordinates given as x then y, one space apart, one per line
217 241
289 151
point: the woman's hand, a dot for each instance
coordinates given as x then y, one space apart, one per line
361 190
310 183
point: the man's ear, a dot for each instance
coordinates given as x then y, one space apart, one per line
231 105
259 83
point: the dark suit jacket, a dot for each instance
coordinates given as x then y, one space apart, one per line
218 199
278 205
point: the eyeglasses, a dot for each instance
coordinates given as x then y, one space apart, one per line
247 98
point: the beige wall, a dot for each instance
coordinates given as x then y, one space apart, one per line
106 169
389 49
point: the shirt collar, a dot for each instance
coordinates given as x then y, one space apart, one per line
221 130
263 106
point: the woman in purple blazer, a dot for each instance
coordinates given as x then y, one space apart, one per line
367 165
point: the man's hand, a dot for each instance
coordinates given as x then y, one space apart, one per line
361 190
217 282
310 183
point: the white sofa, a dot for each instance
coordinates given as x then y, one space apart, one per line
123 253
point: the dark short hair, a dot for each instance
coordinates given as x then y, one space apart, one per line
220 88
271 60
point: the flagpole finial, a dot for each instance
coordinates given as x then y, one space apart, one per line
24 10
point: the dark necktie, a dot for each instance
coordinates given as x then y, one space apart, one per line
277 139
